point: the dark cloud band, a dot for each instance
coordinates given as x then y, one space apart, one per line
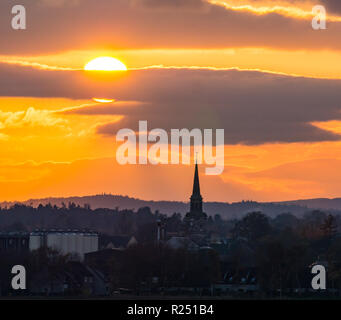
252 107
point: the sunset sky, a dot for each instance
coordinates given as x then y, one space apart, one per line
255 68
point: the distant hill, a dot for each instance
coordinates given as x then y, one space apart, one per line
321 203
226 210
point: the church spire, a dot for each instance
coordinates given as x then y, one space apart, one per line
196 198
196 184
196 213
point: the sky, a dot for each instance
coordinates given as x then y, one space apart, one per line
255 68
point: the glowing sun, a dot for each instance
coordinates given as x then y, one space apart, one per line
105 64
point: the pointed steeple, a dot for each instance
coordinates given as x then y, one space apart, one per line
196 213
196 198
196 184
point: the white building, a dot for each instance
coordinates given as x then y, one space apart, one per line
66 242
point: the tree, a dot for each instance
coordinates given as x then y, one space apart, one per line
217 218
252 227
49 260
329 226
285 220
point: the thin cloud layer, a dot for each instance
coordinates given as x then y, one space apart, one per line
59 26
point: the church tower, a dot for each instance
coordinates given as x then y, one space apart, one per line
196 212
196 198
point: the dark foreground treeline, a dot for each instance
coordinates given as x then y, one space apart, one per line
278 251
141 221
72 216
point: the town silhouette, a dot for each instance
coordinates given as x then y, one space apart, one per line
73 250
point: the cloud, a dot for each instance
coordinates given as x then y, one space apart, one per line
253 107
308 170
31 117
116 108
332 5
122 24
302 179
170 3
59 3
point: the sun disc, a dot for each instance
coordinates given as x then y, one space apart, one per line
105 64
102 100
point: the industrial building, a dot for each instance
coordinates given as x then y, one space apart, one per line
14 241
66 242
73 242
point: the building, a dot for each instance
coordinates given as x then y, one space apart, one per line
196 210
14 242
196 218
75 278
117 242
243 280
72 242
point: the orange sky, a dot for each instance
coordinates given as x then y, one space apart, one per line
255 68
